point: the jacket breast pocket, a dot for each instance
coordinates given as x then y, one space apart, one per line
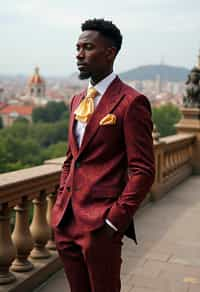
111 134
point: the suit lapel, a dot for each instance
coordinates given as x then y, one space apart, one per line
106 105
72 137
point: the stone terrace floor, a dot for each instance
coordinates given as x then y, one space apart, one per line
167 258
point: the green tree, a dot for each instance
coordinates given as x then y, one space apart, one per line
55 150
3 159
21 120
52 112
39 114
1 123
50 133
24 144
165 117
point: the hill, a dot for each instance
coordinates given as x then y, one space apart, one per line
149 72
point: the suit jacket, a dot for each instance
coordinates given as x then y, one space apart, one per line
112 171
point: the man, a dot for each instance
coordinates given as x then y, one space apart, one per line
109 166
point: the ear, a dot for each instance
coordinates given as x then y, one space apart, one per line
111 53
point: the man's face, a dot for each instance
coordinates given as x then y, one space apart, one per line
95 55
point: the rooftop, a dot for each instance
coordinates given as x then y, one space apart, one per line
19 109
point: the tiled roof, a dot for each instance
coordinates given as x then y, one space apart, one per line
23 110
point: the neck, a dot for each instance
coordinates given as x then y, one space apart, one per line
96 79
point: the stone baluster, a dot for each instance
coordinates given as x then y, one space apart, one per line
190 151
155 134
171 163
179 158
7 249
166 164
173 160
185 155
39 228
22 238
176 159
50 202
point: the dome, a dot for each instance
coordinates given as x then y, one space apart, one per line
36 78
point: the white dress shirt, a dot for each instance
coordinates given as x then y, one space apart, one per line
101 87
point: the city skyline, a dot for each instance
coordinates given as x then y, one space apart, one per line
45 33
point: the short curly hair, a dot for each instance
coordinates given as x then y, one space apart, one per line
106 28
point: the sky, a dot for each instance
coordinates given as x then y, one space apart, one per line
44 33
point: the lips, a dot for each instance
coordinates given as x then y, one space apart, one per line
82 66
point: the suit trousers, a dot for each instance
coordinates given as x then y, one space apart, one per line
91 259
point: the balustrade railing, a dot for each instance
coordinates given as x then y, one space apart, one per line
27 197
173 157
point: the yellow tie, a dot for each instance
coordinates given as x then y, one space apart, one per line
86 107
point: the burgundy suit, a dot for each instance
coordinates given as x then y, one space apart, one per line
108 177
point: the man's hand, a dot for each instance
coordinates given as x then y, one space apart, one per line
107 230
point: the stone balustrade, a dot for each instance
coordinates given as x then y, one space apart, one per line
27 248
173 159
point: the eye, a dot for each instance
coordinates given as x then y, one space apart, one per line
88 46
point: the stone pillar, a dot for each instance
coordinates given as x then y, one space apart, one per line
39 228
50 202
190 123
156 189
22 239
7 249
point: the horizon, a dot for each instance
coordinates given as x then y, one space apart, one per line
24 74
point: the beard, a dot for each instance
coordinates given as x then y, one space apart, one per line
84 75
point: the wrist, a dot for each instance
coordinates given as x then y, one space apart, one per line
110 231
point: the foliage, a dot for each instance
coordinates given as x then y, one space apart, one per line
165 117
1 123
24 145
21 120
55 150
52 112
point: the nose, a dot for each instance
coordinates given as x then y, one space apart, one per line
80 54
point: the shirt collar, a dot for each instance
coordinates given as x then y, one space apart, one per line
102 86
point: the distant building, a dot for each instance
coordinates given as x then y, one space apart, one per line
158 84
2 104
2 99
10 113
2 95
36 90
36 85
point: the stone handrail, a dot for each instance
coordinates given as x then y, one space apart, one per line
28 256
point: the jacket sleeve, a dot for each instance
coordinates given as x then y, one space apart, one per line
140 157
67 163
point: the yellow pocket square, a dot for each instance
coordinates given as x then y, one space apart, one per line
109 119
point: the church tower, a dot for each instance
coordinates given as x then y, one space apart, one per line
36 85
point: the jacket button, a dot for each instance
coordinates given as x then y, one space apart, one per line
68 189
